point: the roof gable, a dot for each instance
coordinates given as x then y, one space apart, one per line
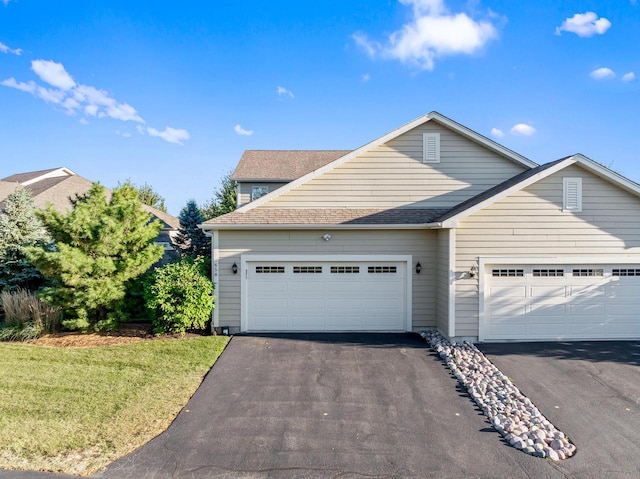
451 218
433 116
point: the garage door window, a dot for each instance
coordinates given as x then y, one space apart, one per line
270 269
382 269
548 272
307 269
507 273
625 272
345 269
588 272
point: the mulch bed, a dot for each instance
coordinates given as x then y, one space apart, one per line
128 333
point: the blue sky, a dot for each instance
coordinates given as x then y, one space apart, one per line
172 93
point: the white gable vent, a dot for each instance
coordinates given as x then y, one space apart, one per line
431 147
572 194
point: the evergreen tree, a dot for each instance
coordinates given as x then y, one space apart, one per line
148 196
224 200
190 238
100 247
19 229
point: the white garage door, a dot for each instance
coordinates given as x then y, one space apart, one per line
562 302
326 296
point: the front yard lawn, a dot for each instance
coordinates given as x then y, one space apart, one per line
75 410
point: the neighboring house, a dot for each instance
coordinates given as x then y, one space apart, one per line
59 185
430 226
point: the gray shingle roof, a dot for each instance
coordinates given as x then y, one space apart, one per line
30 175
328 216
287 165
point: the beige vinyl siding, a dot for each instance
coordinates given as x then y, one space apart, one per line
418 243
531 223
442 280
393 175
244 190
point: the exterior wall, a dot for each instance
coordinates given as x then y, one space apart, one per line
393 175
442 280
418 243
531 223
244 190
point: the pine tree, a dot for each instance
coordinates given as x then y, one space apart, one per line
19 229
224 200
100 247
193 242
148 196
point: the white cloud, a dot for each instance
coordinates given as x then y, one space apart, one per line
522 129
172 135
72 97
6 49
496 132
627 77
584 25
432 33
6 2
241 131
602 74
366 45
124 134
53 73
366 77
84 121
282 91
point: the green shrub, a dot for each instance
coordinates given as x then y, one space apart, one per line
179 296
26 317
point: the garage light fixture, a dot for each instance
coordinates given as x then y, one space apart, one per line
418 268
326 236
473 271
234 268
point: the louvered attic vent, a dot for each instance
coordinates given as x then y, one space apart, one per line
572 194
431 147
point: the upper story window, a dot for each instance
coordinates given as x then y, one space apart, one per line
572 194
258 191
431 147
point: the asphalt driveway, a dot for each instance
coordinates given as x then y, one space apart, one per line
332 405
375 405
590 391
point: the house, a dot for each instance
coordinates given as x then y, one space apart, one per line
429 226
58 186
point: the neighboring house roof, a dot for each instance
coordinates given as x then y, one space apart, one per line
57 186
282 165
326 216
433 116
31 176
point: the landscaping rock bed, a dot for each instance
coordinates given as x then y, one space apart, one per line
511 413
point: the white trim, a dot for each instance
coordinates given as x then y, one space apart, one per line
251 258
483 262
426 153
614 177
58 172
462 130
453 221
452 284
215 276
576 182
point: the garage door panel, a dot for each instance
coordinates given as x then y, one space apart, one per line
585 302
508 291
327 296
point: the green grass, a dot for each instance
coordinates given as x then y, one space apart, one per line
76 410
